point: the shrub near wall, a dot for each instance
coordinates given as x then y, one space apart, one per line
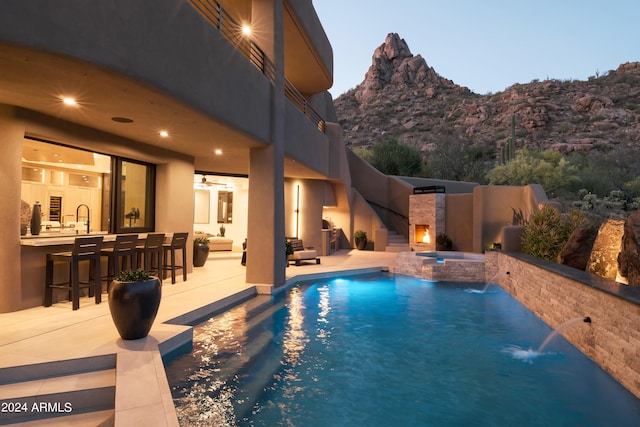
557 293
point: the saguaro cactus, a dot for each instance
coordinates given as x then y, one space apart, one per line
508 151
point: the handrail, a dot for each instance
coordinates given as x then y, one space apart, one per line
301 103
219 18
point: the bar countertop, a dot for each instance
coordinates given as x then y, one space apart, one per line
54 239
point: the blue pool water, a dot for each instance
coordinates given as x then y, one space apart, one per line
390 351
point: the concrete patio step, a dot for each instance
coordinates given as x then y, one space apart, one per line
93 419
397 243
54 392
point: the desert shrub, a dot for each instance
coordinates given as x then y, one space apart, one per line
547 231
392 157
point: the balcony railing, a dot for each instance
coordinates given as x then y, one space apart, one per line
231 29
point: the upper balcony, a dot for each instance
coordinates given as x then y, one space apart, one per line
308 56
308 53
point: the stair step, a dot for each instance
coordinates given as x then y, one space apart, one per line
59 396
98 418
398 248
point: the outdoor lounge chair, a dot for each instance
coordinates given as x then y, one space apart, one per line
300 253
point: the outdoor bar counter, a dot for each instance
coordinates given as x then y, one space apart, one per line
33 254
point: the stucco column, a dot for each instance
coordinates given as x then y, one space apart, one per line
10 175
266 257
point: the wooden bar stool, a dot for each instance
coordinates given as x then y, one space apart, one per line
84 249
122 255
178 242
152 253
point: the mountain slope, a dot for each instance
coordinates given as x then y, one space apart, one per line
402 97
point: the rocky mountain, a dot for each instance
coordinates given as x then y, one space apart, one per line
402 97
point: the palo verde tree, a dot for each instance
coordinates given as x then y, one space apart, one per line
548 168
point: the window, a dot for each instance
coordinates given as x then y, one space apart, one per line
133 207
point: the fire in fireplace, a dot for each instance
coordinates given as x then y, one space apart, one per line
422 234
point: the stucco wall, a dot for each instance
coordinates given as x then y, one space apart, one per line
495 206
459 221
557 293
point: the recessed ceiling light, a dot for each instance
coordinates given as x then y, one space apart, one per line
67 100
164 133
218 151
246 29
121 119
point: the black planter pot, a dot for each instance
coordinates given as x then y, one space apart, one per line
200 255
134 306
361 243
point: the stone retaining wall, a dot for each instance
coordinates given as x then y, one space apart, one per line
557 293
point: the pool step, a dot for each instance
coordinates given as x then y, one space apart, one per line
58 392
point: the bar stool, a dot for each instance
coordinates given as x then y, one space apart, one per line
178 242
152 253
122 255
84 249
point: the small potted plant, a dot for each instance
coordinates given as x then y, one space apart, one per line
361 239
222 230
134 298
443 242
288 250
200 251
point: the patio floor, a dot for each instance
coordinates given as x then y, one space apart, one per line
32 339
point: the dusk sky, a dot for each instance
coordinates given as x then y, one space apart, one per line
485 45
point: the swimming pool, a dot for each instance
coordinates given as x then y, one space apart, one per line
379 350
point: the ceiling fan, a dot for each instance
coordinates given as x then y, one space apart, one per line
210 183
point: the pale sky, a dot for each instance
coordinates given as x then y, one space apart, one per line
485 45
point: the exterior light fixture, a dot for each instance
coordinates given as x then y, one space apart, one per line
164 133
67 100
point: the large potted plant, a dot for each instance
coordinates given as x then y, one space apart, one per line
361 239
134 298
200 251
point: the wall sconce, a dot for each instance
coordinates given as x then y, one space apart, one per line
297 209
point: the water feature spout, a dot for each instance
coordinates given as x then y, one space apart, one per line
561 328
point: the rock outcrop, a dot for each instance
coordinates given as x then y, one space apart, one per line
603 260
394 64
577 250
629 257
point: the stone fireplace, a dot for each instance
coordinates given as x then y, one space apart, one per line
426 220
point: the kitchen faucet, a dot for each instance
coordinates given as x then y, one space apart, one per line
88 215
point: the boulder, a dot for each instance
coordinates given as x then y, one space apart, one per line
629 257
577 250
603 260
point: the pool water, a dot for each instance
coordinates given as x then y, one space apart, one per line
379 350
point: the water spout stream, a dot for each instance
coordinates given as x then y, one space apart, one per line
489 283
561 328
529 355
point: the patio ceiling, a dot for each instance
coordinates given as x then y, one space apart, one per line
36 81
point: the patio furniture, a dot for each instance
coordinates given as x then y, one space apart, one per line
122 255
84 249
152 253
178 243
300 253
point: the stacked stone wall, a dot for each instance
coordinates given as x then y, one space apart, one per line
558 293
